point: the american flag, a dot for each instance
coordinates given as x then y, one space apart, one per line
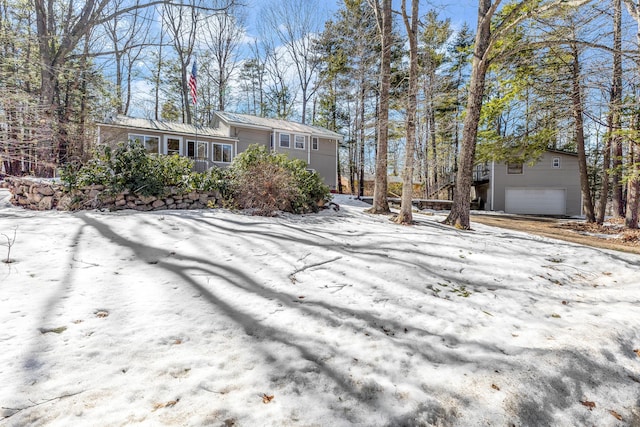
193 83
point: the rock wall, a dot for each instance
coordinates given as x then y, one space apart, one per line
38 194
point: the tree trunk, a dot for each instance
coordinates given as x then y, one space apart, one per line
380 202
406 206
361 139
587 201
633 183
459 215
606 164
158 72
616 94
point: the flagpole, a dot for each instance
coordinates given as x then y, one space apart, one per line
193 86
195 122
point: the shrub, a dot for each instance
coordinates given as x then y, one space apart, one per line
256 179
283 183
265 187
214 179
130 167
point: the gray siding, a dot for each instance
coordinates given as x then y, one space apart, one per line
322 160
249 136
112 135
540 175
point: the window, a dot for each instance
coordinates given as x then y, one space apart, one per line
556 163
271 141
514 168
173 146
284 140
222 153
314 143
299 142
200 152
150 143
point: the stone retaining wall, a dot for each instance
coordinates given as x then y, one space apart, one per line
39 194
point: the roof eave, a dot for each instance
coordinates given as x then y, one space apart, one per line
168 131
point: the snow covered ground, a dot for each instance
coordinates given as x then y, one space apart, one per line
336 319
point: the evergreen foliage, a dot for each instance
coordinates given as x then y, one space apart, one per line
256 179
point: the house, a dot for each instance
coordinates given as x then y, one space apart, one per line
229 135
551 186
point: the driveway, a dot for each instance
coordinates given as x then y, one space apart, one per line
562 229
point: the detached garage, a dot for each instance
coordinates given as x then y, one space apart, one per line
551 186
536 201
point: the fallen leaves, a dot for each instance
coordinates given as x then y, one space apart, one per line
58 330
615 414
168 404
495 387
266 398
588 404
637 351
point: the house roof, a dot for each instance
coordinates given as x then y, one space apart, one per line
240 120
568 153
162 126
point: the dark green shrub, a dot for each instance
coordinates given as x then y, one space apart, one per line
214 179
174 171
130 167
256 178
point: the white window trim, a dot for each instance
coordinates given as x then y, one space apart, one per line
131 137
222 144
280 140
553 163
315 143
180 144
196 145
295 142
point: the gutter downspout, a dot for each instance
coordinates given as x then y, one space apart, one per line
493 181
337 141
273 140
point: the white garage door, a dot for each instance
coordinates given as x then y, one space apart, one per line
536 201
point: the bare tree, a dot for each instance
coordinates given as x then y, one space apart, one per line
384 19
411 25
128 34
295 24
61 25
633 179
182 24
616 114
224 32
277 88
578 114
